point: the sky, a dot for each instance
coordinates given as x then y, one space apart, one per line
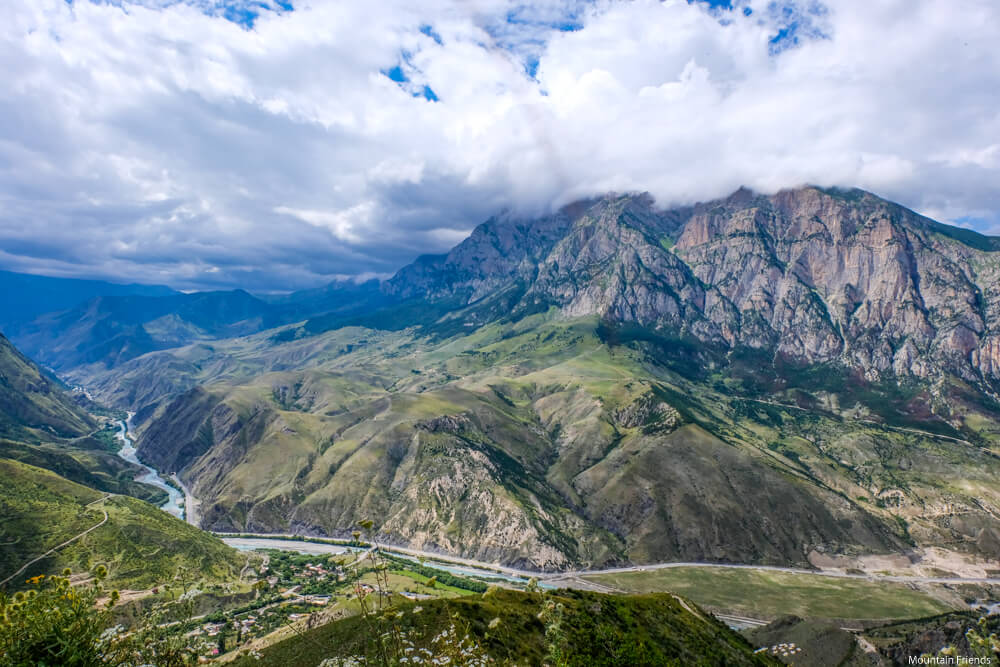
281 144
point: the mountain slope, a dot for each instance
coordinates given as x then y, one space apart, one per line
537 446
140 545
32 405
808 274
43 425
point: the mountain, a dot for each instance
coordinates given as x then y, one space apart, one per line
342 298
27 296
33 406
786 379
110 330
809 275
141 546
43 425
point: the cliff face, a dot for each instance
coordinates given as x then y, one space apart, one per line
807 274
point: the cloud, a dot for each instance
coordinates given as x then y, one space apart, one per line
276 145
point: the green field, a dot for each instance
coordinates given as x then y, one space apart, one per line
768 594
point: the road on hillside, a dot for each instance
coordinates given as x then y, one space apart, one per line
568 578
773 568
60 546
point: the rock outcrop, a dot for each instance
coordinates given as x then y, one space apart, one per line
809 274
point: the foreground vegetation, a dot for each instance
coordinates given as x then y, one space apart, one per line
53 623
369 608
513 627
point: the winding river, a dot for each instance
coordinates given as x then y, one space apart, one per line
175 501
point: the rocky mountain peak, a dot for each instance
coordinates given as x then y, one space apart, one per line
808 273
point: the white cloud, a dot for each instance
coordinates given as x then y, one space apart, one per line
158 140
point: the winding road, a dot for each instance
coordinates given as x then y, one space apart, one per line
69 541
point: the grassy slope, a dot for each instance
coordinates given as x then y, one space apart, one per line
141 545
539 400
768 594
40 424
824 643
600 630
33 407
820 642
98 469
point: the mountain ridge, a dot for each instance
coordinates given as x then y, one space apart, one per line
708 270
757 379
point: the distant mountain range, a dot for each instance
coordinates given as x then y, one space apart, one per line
115 323
27 296
766 379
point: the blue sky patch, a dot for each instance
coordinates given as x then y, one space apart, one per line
795 23
241 12
429 31
396 74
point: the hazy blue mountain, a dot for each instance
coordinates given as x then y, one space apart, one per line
110 330
23 296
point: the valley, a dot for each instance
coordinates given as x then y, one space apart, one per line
176 502
761 407
544 418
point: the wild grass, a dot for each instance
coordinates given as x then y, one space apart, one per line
768 594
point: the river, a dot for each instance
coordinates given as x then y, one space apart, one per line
175 501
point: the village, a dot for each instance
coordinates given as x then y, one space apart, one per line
297 591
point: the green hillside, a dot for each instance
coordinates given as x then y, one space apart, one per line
96 468
550 442
141 545
32 406
42 425
770 594
570 628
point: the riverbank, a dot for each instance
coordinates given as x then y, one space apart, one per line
175 499
192 505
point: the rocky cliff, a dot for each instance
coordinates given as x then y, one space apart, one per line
809 274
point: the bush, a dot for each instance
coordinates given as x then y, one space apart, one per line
53 623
